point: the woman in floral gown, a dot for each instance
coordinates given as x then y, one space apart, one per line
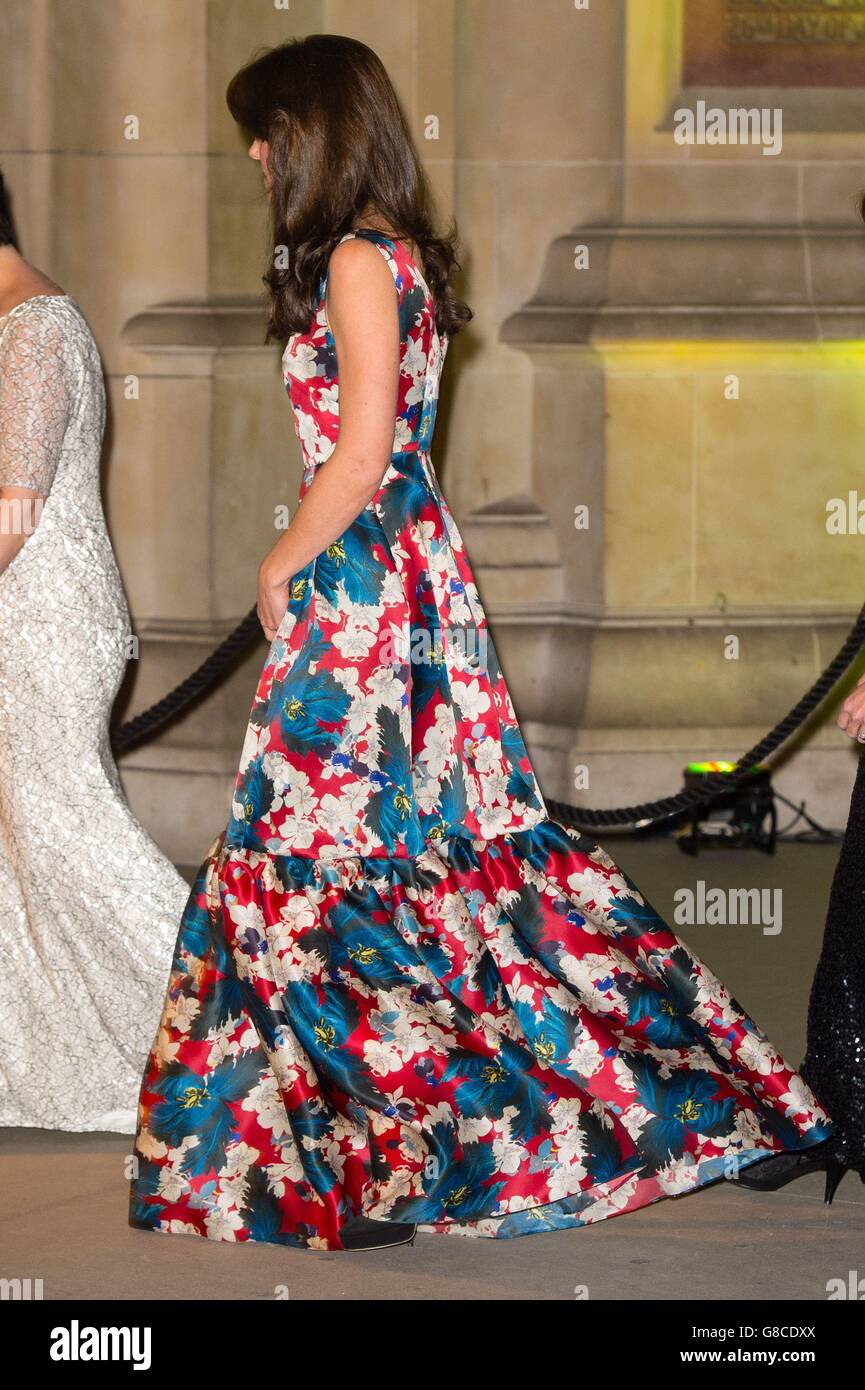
402 996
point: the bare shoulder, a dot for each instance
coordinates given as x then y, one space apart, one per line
359 264
360 294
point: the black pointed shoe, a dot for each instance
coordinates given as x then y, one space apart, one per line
775 1171
835 1171
360 1233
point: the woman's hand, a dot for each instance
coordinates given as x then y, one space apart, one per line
272 599
851 717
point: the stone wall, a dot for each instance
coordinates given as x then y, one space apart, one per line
604 387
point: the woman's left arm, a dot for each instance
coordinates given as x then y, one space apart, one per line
363 318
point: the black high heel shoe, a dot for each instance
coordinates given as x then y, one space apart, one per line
779 1169
363 1234
835 1171
774 1172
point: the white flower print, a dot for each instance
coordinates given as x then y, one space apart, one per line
472 699
680 1175
438 745
494 820
355 641
181 1013
223 1225
757 1054
585 1057
383 1057
592 886
402 435
510 1154
299 360
246 916
172 1185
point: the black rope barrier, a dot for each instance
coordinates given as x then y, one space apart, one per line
203 679
720 782
248 633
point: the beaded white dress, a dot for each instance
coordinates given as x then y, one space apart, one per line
88 904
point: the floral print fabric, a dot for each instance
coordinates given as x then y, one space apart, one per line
400 990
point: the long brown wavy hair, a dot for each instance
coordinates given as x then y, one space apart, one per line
339 151
7 225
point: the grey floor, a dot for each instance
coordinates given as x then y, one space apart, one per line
63 1197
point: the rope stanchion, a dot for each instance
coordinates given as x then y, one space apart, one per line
248 633
203 679
717 783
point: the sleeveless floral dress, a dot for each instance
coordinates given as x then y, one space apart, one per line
400 990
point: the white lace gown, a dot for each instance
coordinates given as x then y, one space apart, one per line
88 905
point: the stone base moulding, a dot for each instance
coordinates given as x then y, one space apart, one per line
779 284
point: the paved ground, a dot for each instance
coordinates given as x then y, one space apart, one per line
63 1197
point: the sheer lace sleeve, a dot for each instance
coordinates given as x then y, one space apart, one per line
35 400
